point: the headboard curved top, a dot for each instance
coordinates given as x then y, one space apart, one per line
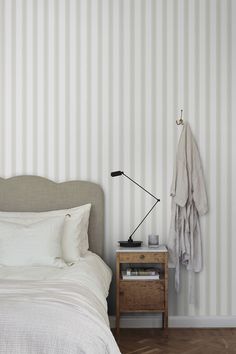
34 193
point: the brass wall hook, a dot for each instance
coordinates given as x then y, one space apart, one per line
180 121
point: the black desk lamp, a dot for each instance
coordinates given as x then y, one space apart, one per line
131 242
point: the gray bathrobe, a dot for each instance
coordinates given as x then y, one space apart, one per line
189 201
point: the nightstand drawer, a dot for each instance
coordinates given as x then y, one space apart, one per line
139 257
142 296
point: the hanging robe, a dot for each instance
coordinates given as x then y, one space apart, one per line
189 201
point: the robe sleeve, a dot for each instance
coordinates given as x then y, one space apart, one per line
179 189
181 184
199 188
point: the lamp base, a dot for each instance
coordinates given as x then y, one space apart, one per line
130 243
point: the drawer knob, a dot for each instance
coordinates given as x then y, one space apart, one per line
142 256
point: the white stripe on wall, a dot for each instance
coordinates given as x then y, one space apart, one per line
89 86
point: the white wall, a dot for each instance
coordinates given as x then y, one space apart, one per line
87 87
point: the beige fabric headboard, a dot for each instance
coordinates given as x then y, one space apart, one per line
33 193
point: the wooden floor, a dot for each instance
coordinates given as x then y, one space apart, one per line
176 341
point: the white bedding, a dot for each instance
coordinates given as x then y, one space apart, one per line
48 310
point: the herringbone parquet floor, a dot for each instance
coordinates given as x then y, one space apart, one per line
177 341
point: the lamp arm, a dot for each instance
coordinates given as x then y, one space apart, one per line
157 200
130 240
142 189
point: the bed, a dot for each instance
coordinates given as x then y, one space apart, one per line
46 309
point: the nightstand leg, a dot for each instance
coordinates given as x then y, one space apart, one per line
165 320
117 294
117 323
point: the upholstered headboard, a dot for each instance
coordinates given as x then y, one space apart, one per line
33 193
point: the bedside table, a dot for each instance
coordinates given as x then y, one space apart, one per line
142 295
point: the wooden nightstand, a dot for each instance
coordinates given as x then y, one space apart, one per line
142 295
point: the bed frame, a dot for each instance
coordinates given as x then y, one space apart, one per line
33 193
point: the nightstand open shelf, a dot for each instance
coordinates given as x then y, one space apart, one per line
142 295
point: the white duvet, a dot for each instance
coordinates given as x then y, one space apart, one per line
48 310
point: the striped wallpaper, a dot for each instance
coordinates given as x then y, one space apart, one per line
89 86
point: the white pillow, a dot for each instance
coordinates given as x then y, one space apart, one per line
75 236
36 243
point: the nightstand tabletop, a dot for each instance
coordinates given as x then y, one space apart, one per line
161 248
